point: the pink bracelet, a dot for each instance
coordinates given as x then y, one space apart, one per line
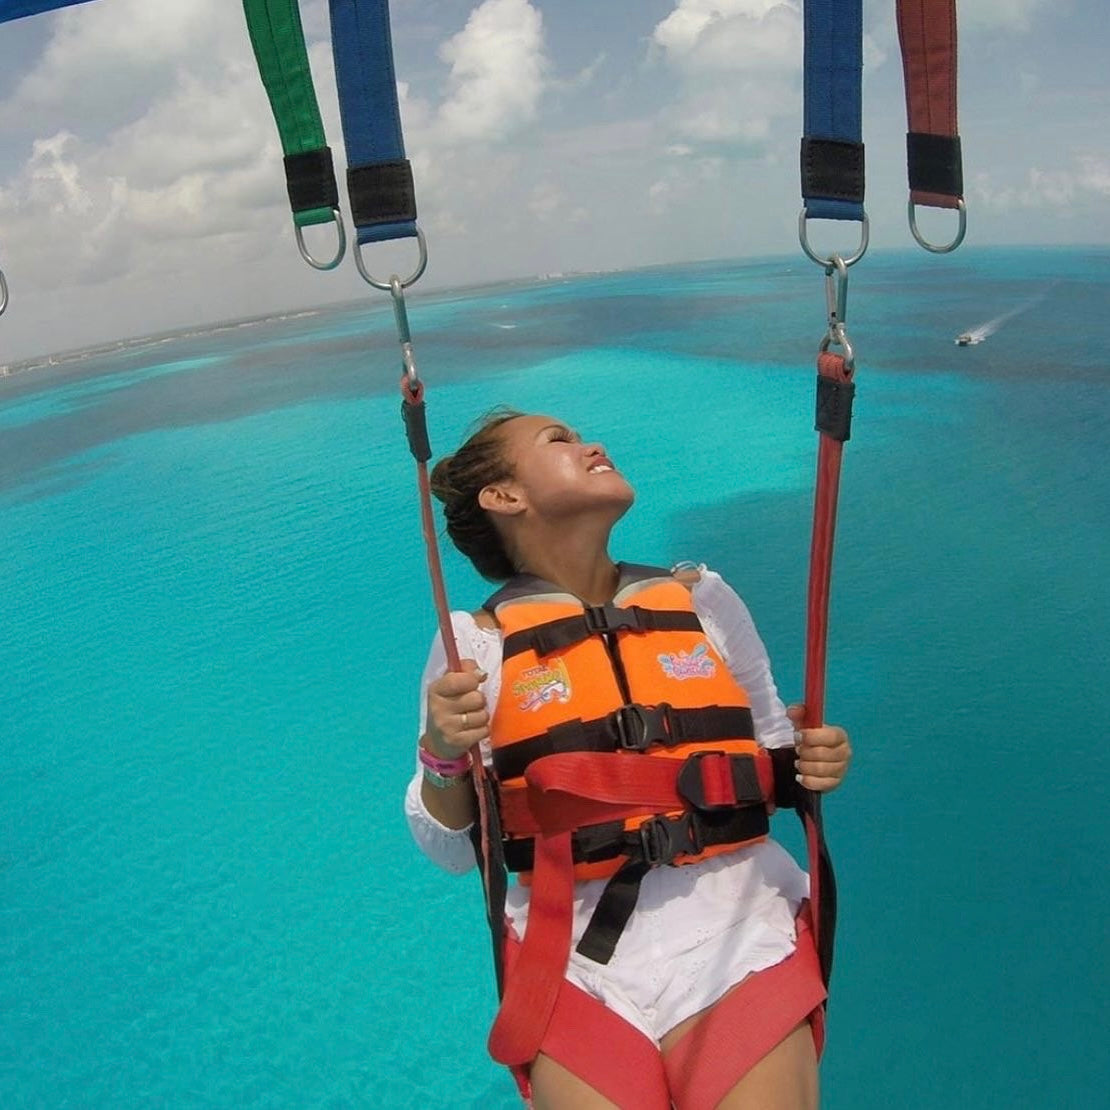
447 768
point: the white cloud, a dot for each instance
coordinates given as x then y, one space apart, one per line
1085 183
732 35
738 63
498 72
99 55
195 157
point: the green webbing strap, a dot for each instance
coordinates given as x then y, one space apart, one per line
279 48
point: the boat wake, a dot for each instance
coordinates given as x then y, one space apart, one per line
982 331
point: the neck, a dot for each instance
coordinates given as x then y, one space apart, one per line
578 562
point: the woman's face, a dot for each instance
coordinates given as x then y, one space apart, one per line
556 474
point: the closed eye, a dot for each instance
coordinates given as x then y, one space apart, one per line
559 434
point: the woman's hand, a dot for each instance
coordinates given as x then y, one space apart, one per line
823 753
457 716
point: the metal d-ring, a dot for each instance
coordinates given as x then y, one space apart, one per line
865 237
341 250
960 231
387 286
3 293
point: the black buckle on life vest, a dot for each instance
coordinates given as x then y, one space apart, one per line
737 773
636 727
610 618
662 839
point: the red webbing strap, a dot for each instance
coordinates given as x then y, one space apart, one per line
927 33
745 1025
602 1049
834 368
532 987
575 789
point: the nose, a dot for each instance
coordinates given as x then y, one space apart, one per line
594 449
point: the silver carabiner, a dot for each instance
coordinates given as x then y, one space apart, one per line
3 293
836 290
839 336
401 317
387 286
836 301
341 249
861 250
960 230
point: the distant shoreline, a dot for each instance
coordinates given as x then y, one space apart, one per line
63 358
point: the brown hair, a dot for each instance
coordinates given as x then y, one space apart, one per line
458 479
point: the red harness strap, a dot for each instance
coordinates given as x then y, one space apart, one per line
532 989
599 1047
746 1024
625 1066
565 792
587 788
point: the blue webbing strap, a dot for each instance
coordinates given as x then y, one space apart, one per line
379 177
832 146
17 9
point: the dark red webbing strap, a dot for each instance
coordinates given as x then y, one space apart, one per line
829 451
833 368
532 987
927 33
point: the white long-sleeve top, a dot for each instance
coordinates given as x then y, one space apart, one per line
698 928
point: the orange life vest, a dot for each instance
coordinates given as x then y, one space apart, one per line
609 690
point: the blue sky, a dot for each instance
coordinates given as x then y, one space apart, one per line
140 173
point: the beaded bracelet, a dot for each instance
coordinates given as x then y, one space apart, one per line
442 773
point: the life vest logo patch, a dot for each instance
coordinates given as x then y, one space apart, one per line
696 664
546 682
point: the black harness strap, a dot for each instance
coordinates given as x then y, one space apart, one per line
660 840
631 728
565 632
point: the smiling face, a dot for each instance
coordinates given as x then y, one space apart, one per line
555 474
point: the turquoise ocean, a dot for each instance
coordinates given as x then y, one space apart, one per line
214 612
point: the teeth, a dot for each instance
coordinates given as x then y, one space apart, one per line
601 468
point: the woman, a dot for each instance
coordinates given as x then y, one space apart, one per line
532 504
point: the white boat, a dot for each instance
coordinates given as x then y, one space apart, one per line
968 339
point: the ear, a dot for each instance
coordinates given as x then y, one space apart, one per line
503 498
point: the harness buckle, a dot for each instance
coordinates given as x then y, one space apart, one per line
712 781
636 727
663 838
609 618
